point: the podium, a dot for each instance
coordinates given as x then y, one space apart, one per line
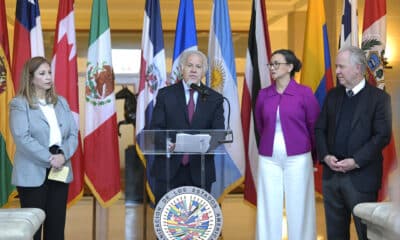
186 210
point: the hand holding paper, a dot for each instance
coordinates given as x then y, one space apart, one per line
59 174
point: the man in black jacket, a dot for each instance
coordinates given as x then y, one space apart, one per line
173 111
355 124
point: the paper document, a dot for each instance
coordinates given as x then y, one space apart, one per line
59 174
192 143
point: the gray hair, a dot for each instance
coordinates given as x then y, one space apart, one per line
186 54
357 57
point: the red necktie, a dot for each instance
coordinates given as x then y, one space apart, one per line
190 107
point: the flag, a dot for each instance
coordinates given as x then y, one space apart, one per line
345 30
317 72
7 145
257 76
222 78
101 164
374 40
373 43
152 75
348 28
65 72
185 36
28 36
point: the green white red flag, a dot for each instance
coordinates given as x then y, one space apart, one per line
102 171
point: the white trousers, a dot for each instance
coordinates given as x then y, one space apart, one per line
291 178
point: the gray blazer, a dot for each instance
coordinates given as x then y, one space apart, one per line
31 132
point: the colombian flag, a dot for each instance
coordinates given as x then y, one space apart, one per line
317 72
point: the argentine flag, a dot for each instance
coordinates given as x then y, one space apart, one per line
222 78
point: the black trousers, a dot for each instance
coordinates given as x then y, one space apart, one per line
340 197
182 178
51 197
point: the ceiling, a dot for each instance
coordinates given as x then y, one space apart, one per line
127 15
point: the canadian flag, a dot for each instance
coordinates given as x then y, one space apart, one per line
64 67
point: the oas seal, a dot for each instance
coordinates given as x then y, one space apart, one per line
187 213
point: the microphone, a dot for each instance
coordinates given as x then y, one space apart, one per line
201 89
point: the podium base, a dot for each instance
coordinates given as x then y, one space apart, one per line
188 212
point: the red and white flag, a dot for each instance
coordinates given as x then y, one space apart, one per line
65 72
28 36
373 44
257 76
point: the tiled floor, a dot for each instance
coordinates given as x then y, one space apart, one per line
125 222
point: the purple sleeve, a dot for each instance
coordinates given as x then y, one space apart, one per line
312 111
258 112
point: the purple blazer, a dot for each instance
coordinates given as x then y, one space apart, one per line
298 109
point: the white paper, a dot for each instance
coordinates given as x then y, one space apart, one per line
59 174
192 143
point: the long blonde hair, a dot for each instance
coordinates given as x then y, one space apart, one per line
26 88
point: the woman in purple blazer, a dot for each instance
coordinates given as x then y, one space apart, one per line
285 115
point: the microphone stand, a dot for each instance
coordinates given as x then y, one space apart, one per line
204 93
228 129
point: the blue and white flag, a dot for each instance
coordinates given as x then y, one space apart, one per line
347 27
185 37
152 72
222 78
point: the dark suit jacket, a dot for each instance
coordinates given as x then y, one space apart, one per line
171 113
370 132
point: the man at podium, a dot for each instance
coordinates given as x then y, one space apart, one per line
187 104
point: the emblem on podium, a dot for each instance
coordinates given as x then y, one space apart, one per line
188 213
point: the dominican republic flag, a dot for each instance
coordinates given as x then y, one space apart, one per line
28 36
102 171
317 72
65 72
152 76
7 145
348 29
222 78
373 43
185 37
257 76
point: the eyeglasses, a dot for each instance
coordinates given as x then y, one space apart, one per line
275 65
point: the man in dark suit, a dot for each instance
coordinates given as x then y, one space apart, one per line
353 127
173 111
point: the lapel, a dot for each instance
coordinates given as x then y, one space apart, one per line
181 98
201 103
58 109
361 104
38 112
338 106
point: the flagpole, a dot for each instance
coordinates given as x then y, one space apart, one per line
354 23
99 221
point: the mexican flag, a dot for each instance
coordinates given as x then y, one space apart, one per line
101 156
